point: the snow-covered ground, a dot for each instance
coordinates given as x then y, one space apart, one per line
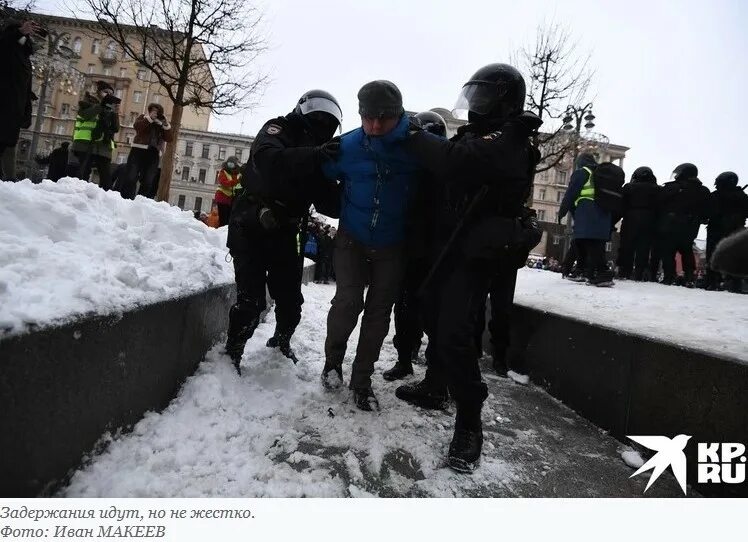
713 321
69 248
276 432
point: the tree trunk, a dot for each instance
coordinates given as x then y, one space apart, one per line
167 164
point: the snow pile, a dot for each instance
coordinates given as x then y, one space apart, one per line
69 248
715 322
632 458
276 432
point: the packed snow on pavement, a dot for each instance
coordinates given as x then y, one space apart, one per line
70 248
709 321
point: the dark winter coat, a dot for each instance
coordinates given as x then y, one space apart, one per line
283 173
495 159
107 124
640 206
15 83
378 179
728 210
590 220
684 204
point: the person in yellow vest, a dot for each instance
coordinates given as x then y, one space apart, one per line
93 138
229 181
592 223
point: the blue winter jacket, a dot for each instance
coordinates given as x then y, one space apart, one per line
378 179
590 220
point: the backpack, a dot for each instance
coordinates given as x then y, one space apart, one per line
608 180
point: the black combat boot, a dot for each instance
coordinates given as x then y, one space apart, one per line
332 377
241 328
467 442
282 341
365 399
424 394
400 370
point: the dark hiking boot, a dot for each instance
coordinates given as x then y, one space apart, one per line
399 371
365 399
283 343
467 442
576 276
332 377
603 279
500 366
465 449
240 331
424 394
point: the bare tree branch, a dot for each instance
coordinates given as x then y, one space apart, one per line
195 49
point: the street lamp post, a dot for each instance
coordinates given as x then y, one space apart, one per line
49 68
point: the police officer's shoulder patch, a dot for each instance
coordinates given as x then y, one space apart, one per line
273 129
492 135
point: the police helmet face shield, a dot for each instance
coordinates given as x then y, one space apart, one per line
314 104
477 97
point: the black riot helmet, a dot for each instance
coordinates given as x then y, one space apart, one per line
726 179
496 91
644 174
322 111
685 171
432 122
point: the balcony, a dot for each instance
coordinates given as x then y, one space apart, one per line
108 58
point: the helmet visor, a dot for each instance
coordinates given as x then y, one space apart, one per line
480 98
323 105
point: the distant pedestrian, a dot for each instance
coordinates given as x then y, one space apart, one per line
152 132
229 180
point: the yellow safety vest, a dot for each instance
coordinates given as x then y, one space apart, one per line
225 190
83 130
588 190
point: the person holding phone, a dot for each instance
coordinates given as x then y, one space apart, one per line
152 133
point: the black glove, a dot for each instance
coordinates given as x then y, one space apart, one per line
414 126
267 218
330 150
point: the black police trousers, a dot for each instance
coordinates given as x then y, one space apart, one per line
408 312
452 305
634 251
269 259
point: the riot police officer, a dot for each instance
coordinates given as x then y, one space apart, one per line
280 181
408 322
486 171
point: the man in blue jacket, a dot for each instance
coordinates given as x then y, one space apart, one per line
377 178
592 223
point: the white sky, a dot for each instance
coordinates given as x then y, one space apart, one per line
670 81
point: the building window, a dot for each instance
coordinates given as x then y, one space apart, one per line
77 44
95 46
541 193
118 93
133 117
65 111
188 148
201 176
121 158
60 128
111 51
137 97
239 154
559 197
157 99
141 75
206 151
541 215
107 71
608 246
561 177
557 240
91 68
198 204
128 139
222 153
185 173
180 201
123 72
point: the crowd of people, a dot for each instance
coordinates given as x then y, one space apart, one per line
657 223
429 226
